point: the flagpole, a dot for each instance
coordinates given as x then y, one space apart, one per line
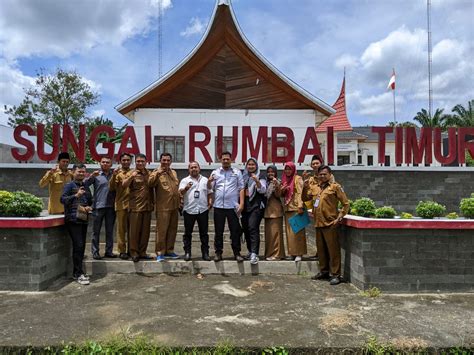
394 111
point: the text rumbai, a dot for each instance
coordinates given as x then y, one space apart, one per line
248 141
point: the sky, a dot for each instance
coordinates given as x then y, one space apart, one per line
113 45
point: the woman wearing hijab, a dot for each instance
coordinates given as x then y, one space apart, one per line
254 206
274 244
292 187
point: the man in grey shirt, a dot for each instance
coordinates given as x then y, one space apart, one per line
103 208
227 185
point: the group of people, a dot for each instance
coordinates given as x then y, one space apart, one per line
126 197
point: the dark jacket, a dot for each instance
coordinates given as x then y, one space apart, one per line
70 201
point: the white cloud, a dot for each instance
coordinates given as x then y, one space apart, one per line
379 104
346 61
12 85
60 28
195 27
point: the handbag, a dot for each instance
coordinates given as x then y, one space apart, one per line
82 214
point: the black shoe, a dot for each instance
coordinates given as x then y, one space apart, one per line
335 281
96 256
187 256
206 257
218 257
135 259
123 256
321 276
239 258
110 256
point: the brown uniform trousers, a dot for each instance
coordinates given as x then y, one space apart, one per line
274 244
140 208
325 216
121 208
296 242
167 204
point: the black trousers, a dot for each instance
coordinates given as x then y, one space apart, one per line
107 213
220 216
203 225
78 234
251 227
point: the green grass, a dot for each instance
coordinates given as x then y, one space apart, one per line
371 292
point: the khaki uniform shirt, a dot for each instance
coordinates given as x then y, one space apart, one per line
326 196
166 189
55 181
121 193
274 207
296 202
140 198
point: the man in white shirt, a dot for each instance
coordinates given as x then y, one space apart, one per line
196 204
227 185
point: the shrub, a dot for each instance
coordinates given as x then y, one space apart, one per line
467 206
452 215
5 201
406 215
430 209
385 212
364 207
20 204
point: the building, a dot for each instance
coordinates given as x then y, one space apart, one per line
224 96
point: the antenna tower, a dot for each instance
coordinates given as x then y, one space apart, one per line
160 38
430 88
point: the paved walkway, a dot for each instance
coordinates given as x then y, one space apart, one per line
262 310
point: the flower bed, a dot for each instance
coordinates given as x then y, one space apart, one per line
409 255
35 252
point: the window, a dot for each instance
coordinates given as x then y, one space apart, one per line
170 144
227 146
359 160
370 160
343 159
281 151
387 160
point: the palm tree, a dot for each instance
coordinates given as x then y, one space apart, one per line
426 120
461 116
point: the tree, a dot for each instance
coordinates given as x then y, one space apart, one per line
402 124
439 119
62 98
462 117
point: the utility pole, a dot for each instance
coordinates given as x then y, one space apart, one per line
430 88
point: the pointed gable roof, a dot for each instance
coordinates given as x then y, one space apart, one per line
224 71
339 120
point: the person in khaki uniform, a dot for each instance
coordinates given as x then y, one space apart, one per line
313 180
121 203
140 206
165 181
325 197
292 187
55 179
274 244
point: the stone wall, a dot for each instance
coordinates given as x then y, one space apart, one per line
409 260
399 187
32 259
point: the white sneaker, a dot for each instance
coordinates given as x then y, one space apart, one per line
87 277
298 258
253 259
83 280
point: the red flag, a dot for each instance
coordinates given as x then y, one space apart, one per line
391 83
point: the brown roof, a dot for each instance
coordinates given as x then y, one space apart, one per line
224 71
339 120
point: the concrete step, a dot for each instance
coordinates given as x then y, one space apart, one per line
225 267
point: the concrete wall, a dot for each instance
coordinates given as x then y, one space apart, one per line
399 187
32 259
409 260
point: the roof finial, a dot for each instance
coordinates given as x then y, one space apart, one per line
223 2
